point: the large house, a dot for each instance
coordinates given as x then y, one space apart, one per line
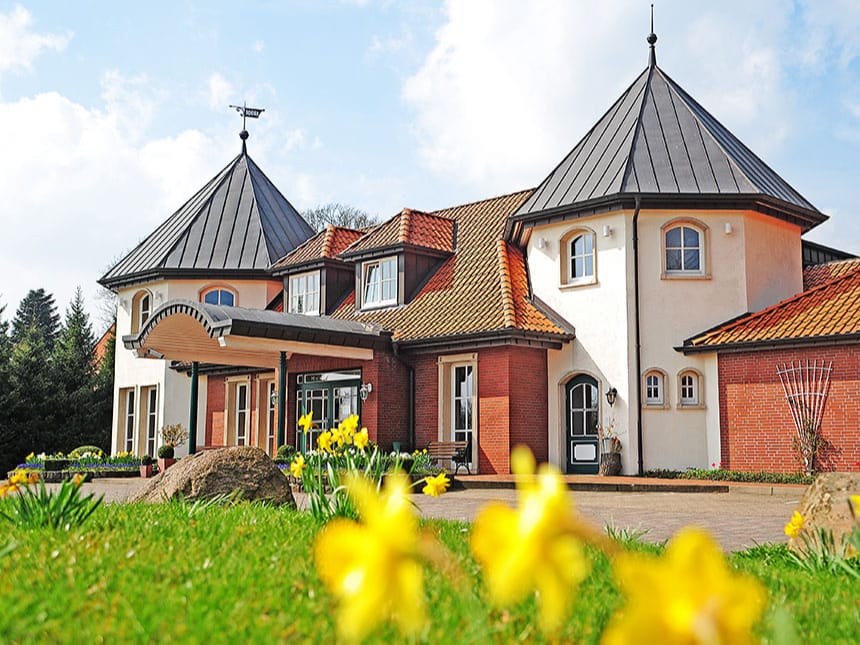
598 299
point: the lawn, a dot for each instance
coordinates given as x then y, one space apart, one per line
196 573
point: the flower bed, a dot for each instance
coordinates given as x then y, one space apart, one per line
89 464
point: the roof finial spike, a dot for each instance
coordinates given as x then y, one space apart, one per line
652 38
246 112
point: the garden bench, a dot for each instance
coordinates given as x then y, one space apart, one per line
455 451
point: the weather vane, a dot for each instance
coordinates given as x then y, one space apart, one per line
246 112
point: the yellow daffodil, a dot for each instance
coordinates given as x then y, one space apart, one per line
350 424
30 458
435 486
78 479
336 436
361 439
533 548
324 441
298 466
372 567
689 595
18 477
855 500
306 421
794 525
7 489
32 477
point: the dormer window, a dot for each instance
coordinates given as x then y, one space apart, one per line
219 296
304 292
379 282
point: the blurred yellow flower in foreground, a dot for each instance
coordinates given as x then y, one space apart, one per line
306 421
373 568
794 525
688 595
535 547
435 486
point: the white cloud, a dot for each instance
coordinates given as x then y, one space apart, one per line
220 92
510 87
258 46
20 45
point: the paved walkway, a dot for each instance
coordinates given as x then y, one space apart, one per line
741 518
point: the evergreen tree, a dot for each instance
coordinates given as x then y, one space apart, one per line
31 401
7 440
36 309
74 375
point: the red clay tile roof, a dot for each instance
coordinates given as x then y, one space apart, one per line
326 244
828 311
818 274
428 230
481 288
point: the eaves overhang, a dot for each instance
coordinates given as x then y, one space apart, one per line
764 345
804 218
310 265
390 249
153 275
462 342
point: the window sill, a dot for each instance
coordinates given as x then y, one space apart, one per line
567 286
691 406
669 275
655 406
377 306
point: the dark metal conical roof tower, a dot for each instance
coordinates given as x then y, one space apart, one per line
658 143
235 226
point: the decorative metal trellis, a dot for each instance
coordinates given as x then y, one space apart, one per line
806 386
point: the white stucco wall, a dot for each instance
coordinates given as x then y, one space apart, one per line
174 388
751 262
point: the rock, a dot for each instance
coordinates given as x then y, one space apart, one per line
218 472
825 505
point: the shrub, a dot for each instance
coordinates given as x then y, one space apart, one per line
146 460
285 454
166 452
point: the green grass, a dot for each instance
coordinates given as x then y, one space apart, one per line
180 572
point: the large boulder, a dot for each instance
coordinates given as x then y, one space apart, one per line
217 472
825 505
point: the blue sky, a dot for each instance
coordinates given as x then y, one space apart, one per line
112 114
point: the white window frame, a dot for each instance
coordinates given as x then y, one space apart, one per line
151 421
687 397
379 283
585 256
446 366
145 308
657 400
241 430
703 272
129 420
304 293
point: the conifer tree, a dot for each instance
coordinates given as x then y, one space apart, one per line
37 308
7 440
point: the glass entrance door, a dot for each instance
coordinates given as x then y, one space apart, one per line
581 425
331 396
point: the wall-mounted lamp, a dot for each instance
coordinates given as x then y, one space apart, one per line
364 390
728 228
611 395
151 353
159 296
607 230
541 243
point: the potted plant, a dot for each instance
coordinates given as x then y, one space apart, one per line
146 463
165 457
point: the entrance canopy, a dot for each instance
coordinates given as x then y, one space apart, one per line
188 331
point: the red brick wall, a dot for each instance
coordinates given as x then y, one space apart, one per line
529 414
426 399
756 427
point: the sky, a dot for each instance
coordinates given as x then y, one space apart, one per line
112 114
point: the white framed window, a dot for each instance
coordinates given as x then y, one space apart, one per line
578 251
684 249
689 389
655 388
581 264
305 293
271 421
219 296
128 420
141 310
241 414
379 282
145 308
151 402
462 402
458 402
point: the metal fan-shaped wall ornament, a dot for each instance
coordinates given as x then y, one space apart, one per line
806 386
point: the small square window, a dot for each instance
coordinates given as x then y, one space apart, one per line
689 386
379 283
305 294
683 248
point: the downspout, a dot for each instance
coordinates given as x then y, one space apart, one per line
639 450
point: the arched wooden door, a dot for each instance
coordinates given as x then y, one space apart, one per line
581 425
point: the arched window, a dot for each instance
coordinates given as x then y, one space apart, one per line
219 296
141 310
578 258
655 388
690 389
684 248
